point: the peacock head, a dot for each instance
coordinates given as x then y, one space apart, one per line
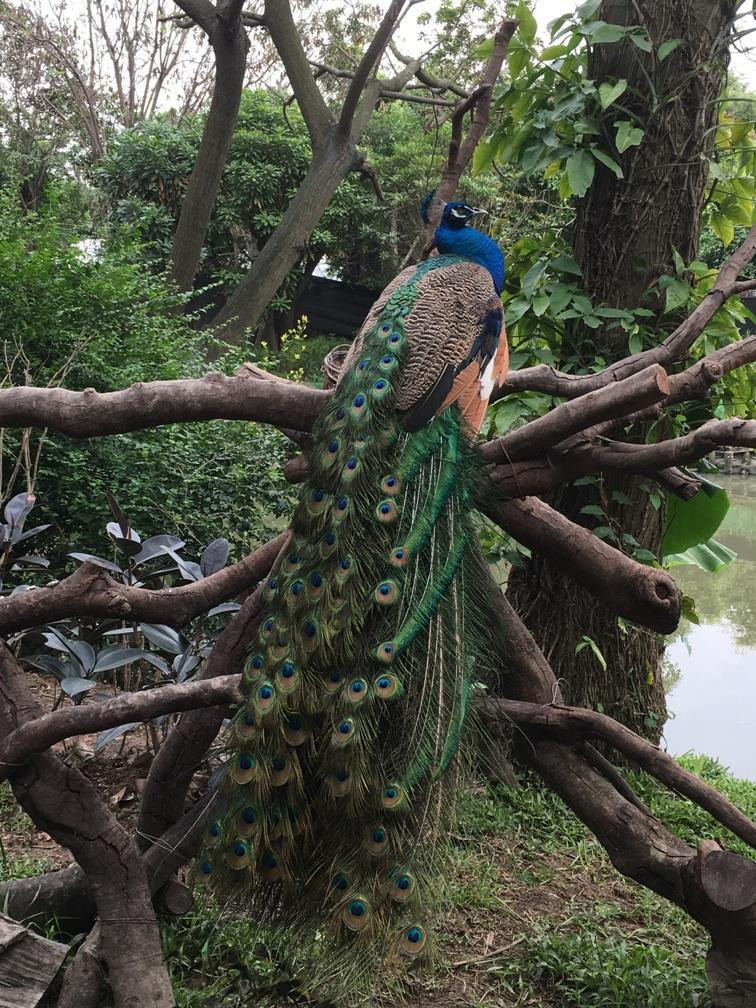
458 215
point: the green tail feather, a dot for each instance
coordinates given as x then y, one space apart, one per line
356 689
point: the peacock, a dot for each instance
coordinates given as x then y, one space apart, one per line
343 765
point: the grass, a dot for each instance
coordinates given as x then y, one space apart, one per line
530 914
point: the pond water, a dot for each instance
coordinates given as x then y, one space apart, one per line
712 666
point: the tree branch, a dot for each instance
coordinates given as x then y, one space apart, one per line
369 59
569 418
91 591
152 404
201 12
461 151
677 451
280 23
644 595
35 736
572 724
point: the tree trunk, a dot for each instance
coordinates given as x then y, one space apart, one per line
244 309
230 45
625 234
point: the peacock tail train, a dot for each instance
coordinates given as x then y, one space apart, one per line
341 774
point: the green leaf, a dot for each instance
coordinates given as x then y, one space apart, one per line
679 262
688 609
485 50
554 52
604 32
723 228
515 309
517 56
588 9
710 556
565 264
627 135
540 304
483 156
635 343
677 295
580 169
592 509
560 298
667 47
528 24
609 162
530 280
692 522
609 93
642 40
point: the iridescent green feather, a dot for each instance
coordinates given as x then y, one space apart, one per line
341 757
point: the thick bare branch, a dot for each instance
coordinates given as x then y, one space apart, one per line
572 724
676 451
283 32
152 404
461 151
644 595
63 802
201 12
634 393
91 591
370 58
35 736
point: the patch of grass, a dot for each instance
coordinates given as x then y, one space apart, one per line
590 970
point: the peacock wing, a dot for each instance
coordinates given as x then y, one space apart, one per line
457 349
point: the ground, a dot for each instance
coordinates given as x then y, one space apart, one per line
531 913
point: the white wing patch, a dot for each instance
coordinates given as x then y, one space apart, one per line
487 380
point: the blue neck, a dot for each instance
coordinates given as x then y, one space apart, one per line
475 246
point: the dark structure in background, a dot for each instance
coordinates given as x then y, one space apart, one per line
334 307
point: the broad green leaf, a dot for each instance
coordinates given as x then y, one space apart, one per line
483 156
642 40
609 93
667 47
515 309
679 262
710 556
517 56
627 135
677 295
580 169
530 280
588 9
592 509
540 304
565 264
604 32
485 50
692 522
723 228
554 52
635 343
609 162
528 24
565 190
560 298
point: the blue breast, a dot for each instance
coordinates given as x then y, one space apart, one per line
475 246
